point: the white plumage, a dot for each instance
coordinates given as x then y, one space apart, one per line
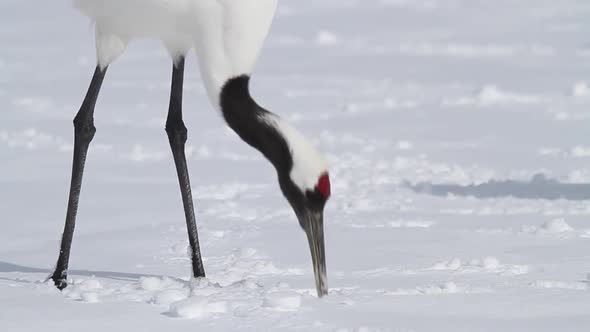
308 164
226 34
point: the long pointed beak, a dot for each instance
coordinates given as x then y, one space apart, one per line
314 228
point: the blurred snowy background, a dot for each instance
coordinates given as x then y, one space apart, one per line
438 118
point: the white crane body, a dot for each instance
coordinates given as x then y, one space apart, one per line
227 35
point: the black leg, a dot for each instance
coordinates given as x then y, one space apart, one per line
177 135
84 133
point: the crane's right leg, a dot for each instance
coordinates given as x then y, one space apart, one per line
177 135
84 133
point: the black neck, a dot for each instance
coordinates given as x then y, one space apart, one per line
245 117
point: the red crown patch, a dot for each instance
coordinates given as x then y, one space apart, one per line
324 185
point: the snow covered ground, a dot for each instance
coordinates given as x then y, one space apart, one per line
416 103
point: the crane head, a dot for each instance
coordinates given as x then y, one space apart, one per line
305 183
308 205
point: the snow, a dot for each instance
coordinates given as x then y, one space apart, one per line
326 38
457 137
581 90
195 308
491 95
169 296
283 301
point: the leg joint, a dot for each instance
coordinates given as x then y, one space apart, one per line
84 128
177 132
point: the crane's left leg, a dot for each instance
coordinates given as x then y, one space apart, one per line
84 132
177 135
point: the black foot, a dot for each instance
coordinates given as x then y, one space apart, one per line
60 280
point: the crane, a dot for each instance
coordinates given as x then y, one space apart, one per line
227 36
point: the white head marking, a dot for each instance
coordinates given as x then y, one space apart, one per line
308 164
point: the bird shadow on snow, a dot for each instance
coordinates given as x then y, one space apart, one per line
539 187
6 267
